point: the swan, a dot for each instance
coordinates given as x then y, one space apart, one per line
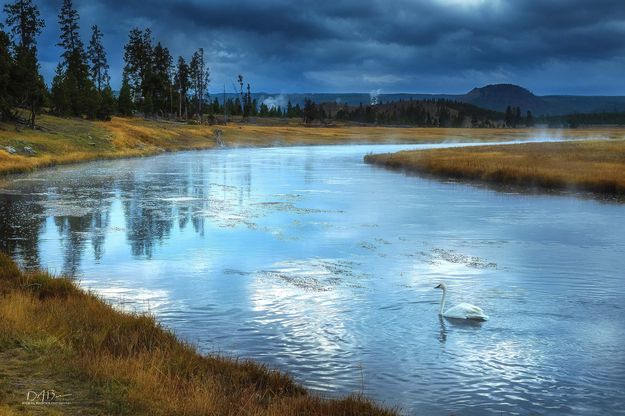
461 311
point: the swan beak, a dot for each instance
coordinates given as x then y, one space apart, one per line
438 286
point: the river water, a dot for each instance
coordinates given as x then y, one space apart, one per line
315 263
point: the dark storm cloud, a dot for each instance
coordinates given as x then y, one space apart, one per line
550 46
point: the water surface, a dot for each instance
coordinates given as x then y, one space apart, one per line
312 262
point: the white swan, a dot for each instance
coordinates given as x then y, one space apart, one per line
461 311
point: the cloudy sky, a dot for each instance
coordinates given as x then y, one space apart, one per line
430 46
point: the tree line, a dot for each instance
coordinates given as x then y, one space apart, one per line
152 84
583 119
420 113
514 117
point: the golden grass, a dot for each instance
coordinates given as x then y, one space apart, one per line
53 334
66 140
595 166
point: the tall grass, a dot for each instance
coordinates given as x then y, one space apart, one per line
131 365
67 140
595 166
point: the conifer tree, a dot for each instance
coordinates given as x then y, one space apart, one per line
241 99
182 86
138 55
249 105
5 76
73 93
529 120
97 58
125 104
107 105
27 88
509 116
98 72
161 83
199 75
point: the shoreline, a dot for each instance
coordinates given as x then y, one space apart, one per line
68 141
55 336
592 166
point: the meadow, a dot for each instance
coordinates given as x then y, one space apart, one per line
596 166
71 140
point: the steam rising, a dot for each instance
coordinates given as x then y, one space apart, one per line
276 101
374 96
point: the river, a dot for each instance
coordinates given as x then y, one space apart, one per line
313 262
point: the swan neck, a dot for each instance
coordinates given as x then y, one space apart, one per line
440 312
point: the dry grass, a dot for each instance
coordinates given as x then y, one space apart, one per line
595 166
55 336
65 141
72 140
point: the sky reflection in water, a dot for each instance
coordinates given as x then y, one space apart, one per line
310 261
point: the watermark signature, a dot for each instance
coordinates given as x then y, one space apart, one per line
46 397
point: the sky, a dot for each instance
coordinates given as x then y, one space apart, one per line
432 46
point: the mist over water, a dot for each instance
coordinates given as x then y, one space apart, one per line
313 262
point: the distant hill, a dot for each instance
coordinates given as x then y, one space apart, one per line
494 97
498 97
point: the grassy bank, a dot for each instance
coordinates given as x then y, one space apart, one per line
54 336
60 140
595 166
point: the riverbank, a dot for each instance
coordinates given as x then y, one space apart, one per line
62 141
594 166
56 337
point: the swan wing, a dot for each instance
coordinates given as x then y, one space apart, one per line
466 311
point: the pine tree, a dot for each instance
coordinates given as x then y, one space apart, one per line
194 78
241 100
310 111
264 110
70 39
199 74
73 93
108 104
509 116
5 76
529 120
27 88
138 55
99 75
97 58
237 107
182 85
23 19
161 84
125 104
249 105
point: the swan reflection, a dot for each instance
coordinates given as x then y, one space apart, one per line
442 335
